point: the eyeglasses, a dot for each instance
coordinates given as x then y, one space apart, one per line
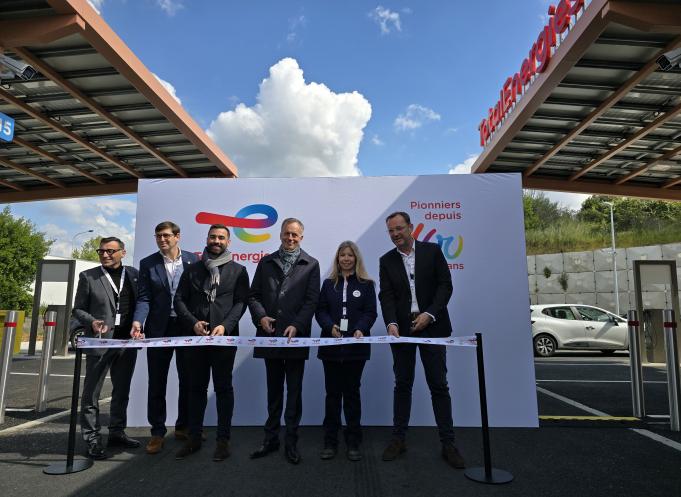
101 252
164 236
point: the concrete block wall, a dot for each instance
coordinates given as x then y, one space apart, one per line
590 278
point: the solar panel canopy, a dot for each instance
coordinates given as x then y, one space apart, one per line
601 117
93 119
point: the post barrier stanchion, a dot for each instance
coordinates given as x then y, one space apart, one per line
486 474
635 367
71 465
6 357
49 328
672 351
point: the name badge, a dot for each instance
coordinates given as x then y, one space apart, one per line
344 325
118 320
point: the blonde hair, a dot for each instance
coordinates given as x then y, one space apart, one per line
360 271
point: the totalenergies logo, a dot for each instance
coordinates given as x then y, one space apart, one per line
240 221
450 249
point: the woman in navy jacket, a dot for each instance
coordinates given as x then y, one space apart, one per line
347 308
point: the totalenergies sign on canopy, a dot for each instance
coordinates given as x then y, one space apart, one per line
561 17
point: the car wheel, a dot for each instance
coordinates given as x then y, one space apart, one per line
607 351
544 346
74 338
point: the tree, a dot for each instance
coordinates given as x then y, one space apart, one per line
541 212
21 247
88 251
630 213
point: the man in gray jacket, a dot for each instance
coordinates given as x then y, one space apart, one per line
282 302
104 307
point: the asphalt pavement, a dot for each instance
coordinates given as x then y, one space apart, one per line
564 457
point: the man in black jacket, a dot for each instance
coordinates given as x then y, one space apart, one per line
282 302
416 286
104 306
210 299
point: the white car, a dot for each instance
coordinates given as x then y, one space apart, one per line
576 327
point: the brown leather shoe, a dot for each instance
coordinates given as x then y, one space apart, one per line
394 449
189 447
155 445
452 456
222 451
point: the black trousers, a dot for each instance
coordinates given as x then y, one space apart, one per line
434 360
278 371
121 362
343 380
158 364
203 361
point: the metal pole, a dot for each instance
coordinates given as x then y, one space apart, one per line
635 367
73 240
50 327
488 474
673 386
71 465
614 257
6 356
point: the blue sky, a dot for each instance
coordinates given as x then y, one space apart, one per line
400 87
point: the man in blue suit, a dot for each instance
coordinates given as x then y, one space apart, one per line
158 279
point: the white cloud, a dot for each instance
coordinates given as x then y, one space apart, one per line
169 88
377 141
170 7
463 167
107 216
414 117
572 201
97 5
386 19
295 128
294 24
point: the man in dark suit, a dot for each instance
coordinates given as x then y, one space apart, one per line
104 306
282 302
415 288
210 300
155 317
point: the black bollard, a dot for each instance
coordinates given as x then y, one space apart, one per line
71 465
488 474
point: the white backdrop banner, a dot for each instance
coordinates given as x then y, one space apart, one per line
476 219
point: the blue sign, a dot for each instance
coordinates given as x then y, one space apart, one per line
6 128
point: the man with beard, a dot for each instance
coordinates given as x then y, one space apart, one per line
210 299
282 302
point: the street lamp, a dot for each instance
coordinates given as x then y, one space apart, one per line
614 255
73 240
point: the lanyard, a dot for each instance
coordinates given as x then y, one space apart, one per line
117 290
345 297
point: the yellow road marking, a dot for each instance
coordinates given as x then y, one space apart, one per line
591 418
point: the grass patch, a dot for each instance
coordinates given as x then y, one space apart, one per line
574 236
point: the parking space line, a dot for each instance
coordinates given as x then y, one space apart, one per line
642 432
52 374
573 403
41 421
658 438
